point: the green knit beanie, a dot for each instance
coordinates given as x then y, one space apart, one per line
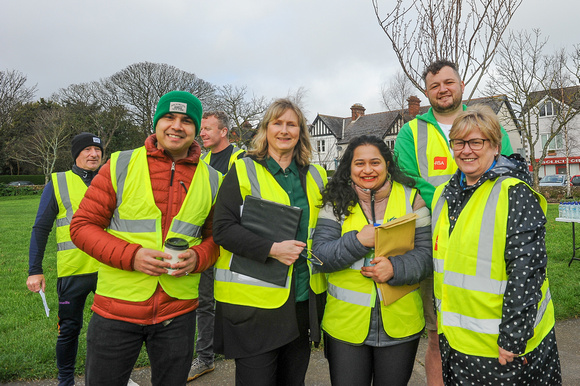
179 102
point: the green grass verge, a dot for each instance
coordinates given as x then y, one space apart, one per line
27 347
29 337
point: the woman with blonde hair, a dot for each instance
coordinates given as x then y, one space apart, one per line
266 326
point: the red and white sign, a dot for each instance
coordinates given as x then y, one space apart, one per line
440 163
559 160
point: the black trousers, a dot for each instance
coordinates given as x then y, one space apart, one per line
282 366
113 347
72 295
364 365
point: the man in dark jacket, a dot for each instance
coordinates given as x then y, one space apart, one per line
77 271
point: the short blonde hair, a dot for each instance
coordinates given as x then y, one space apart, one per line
303 150
477 116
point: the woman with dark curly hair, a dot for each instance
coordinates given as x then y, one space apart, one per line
365 341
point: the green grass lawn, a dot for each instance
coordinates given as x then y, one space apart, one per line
28 337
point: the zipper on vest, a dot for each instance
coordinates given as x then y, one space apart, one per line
373 207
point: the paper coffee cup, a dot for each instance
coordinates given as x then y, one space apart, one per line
175 246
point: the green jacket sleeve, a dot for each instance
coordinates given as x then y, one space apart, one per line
506 146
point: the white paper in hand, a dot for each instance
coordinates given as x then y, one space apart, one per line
46 309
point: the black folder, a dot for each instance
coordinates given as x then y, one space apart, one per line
273 221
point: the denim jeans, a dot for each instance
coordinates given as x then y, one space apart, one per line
72 295
205 318
113 347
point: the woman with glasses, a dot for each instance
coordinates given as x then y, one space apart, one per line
366 342
494 309
267 326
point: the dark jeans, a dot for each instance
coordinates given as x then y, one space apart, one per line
113 347
283 366
352 365
205 318
72 295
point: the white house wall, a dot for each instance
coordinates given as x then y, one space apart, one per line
556 160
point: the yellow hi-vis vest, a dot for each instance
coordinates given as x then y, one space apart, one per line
470 275
435 161
351 296
137 219
234 288
235 154
69 190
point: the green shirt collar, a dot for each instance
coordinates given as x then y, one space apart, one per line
275 168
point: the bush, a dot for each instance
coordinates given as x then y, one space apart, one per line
36 179
28 190
558 193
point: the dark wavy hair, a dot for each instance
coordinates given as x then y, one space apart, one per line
339 191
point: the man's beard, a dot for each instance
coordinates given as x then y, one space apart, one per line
453 106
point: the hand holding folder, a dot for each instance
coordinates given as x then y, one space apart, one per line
391 239
273 221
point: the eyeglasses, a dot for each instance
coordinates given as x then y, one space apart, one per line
474 144
313 261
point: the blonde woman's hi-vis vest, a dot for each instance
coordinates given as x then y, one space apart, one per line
137 219
235 154
470 275
69 190
351 296
234 288
435 161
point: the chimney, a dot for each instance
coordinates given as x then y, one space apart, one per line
414 103
357 111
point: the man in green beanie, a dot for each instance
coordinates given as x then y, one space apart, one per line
140 199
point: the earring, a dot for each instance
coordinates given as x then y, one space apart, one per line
388 176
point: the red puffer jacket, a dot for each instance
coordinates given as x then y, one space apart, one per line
95 213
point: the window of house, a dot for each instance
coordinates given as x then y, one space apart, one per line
548 109
321 145
556 143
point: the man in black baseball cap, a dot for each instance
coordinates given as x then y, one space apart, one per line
77 271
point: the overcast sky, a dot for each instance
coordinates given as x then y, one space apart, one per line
335 49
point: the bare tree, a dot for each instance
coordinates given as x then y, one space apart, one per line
140 85
13 93
101 103
245 111
466 32
299 97
532 81
51 133
394 95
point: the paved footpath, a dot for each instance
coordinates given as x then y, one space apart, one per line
567 335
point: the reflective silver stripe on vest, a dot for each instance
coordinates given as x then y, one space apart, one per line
253 177
65 246
317 178
214 182
348 296
60 222
65 197
484 326
185 228
408 204
542 309
228 276
422 141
